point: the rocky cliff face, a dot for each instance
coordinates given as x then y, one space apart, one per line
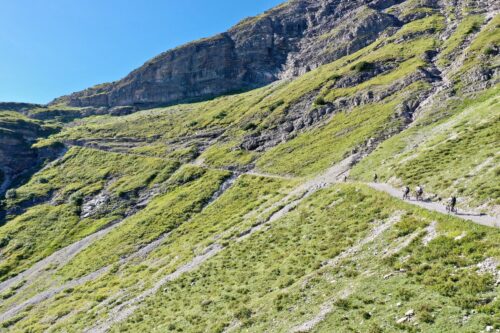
17 157
19 107
286 41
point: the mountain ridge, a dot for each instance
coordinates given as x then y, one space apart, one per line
258 211
253 53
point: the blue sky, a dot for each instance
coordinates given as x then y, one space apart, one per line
49 48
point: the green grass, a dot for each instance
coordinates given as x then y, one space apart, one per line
19 132
275 280
410 7
233 212
430 24
477 53
191 189
316 150
227 155
254 111
87 171
447 159
10 121
470 24
261 283
45 228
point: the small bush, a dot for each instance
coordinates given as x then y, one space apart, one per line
320 101
362 66
221 115
490 50
250 127
474 28
343 303
334 77
425 314
4 241
405 294
374 328
243 313
76 199
43 180
275 105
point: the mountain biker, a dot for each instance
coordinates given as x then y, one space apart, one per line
419 193
452 202
406 193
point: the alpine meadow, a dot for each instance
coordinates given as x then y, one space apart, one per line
326 166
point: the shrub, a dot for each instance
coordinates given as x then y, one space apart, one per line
243 313
4 241
320 101
334 77
76 199
343 303
374 328
425 314
362 66
221 115
43 180
474 28
490 50
275 105
405 294
250 127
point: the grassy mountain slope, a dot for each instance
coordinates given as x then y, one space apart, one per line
228 215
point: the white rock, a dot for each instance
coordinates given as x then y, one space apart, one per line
410 313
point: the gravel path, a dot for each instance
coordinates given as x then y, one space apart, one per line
485 220
285 205
126 309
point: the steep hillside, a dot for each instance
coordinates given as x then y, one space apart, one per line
17 134
288 40
256 211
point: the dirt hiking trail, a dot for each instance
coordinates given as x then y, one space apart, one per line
485 220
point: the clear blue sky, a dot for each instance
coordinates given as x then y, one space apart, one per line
49 48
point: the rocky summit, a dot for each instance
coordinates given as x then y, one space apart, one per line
293 174
284 42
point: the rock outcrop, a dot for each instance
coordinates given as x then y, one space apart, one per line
286 41
19 107
17 156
